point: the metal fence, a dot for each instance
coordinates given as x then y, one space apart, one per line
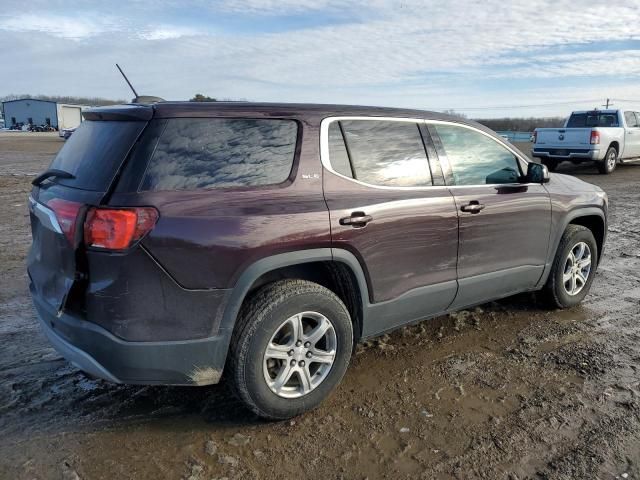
516 136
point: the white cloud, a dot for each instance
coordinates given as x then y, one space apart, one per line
167 32
404 53
59 25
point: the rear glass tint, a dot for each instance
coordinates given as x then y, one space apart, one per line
387 153
338 155
592 119
94 153
197 153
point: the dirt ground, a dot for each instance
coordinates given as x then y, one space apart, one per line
509 390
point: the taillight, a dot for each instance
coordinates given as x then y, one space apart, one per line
67 215
118 228
595 137
534 137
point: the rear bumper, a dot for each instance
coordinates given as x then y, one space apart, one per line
94 350
588 155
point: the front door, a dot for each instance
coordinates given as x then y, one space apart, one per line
504 224
386 210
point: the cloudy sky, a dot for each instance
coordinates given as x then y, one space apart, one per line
485 58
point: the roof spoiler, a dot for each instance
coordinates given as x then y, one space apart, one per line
120 112
146 99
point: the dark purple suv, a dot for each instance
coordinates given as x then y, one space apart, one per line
175 241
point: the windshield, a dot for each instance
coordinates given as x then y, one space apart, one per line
94 152
592 119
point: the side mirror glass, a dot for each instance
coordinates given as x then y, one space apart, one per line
537 173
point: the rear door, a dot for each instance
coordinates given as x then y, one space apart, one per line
92 156
632 135
504 224
391 210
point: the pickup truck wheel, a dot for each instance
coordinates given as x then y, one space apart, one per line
608 165
573 267
551 164
291 347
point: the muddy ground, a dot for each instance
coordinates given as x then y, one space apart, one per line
508 390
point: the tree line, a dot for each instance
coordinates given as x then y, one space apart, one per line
514 124
95 101
528 124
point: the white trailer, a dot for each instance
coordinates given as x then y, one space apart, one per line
69 116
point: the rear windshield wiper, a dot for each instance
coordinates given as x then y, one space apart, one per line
52 172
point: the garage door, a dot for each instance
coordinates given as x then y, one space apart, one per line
71 117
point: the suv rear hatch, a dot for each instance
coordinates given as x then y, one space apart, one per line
80 176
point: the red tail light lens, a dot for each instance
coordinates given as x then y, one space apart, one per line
67 215
595 137
118 228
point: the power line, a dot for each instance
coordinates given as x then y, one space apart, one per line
627 101
550 104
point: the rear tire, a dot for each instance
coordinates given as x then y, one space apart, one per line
610 161
293 375
551 164
573 268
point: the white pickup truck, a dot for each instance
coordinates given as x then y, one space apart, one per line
604 136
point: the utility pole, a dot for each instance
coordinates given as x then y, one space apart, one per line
609 102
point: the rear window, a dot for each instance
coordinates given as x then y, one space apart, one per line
199 153
592 119
94 153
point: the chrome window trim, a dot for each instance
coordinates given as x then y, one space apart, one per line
324 147
326 163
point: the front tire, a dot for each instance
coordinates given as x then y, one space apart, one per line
609 163
291 348
573 268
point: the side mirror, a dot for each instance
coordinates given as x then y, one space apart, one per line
537 173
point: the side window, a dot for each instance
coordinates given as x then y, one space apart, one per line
387 153
476 159
195 153
630 118
338 155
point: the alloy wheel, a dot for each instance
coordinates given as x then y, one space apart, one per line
300 354
577 268
611 160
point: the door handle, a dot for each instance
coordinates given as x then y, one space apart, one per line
356 220
473 206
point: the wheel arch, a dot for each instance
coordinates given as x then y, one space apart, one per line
336 269
596 224
592 218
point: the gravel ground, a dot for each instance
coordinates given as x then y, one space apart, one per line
508 390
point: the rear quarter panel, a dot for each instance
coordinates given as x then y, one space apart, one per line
206 238
610 135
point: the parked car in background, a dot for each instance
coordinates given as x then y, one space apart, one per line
66 132
605 137
177 240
